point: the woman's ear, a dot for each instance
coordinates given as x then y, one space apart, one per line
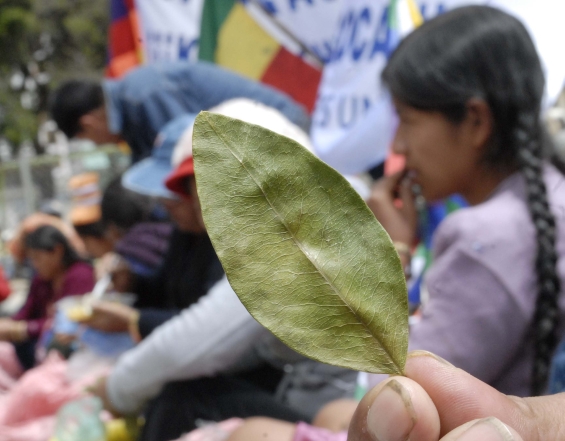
479 122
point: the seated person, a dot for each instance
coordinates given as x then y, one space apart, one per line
31 223
119 221
86 215
190 267
60 273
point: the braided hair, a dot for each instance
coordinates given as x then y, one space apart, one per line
531 158
482 52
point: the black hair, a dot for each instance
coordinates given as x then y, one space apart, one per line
482 52
46 238
71 101
122 207
94 229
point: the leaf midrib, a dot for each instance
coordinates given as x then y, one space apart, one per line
299 245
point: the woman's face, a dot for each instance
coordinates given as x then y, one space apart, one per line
48 264
442 157
185 212
96 247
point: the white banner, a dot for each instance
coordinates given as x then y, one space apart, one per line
312 22
170 29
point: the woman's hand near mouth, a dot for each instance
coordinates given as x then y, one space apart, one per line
392 202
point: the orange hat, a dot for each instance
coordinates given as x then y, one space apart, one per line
85 199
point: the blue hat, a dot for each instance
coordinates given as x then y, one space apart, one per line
148 176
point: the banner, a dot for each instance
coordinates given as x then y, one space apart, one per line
313 22
170 29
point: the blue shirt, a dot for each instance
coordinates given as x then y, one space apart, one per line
142 102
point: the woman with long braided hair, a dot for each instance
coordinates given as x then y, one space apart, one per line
468 89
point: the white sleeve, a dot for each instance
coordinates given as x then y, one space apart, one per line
207 338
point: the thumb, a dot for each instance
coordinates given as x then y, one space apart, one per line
465 408
396 409
458 396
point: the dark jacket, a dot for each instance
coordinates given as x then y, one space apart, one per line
190 268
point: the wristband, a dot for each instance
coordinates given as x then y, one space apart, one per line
402 248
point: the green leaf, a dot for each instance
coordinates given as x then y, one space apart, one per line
300 248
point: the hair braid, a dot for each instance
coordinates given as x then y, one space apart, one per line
531 157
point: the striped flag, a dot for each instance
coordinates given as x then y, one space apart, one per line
403 17
124 49
243 36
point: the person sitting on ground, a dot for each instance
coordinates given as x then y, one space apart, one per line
86 216
17 247
137 106
118 223
60 273
468 89
190 267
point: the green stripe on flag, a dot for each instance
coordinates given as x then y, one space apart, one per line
214 13
393 14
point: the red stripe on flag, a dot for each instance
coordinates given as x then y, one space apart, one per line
292 75
120 64
121 37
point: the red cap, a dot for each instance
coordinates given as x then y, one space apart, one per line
175 181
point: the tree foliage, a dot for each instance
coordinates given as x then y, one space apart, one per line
63 38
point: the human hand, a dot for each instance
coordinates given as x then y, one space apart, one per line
399 220
437 400
100 390
64 339
111 317
122 277
12 330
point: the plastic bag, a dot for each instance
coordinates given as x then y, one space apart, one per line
80 420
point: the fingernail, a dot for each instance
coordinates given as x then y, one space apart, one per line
420 353
487 429
391 417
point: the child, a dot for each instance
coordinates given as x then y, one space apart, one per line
59 273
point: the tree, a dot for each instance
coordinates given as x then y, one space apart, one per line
42 43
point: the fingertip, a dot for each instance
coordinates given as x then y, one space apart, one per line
396 409
485 429
418 357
